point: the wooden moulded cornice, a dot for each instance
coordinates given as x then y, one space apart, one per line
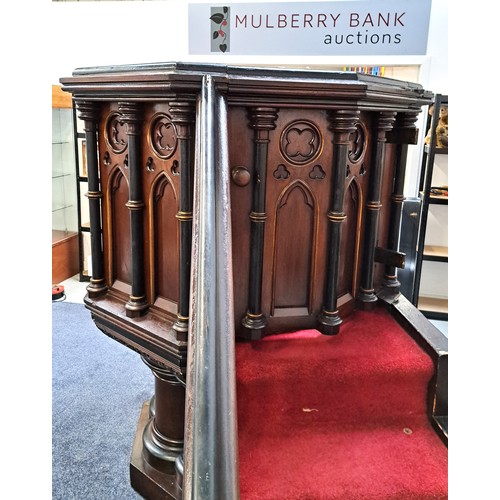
247 86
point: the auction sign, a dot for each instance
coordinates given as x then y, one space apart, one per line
352 27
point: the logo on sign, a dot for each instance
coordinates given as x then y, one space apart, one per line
220 29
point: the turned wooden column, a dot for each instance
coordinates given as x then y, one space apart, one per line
404 133
163 436
183 115
383 123
131 114
262 120
342 124
89 113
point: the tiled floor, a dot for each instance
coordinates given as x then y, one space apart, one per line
75 290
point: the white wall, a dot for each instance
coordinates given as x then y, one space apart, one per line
100 33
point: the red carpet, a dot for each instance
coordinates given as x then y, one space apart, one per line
340 417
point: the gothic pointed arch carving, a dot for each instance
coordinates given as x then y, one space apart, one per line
163 237
351 241
117 231
296 219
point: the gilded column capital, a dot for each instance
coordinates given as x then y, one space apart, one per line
131 114
88 111
385 123
342 122
262 118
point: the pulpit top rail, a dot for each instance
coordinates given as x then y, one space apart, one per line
245 85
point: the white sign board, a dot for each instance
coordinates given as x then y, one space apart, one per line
354 27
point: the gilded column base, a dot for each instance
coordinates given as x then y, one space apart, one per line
181 327
255 325
329 322
367 298
136 307
391 285
96 288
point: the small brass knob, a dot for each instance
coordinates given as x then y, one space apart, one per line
241 176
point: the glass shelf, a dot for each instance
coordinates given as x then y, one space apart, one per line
61 207
58 175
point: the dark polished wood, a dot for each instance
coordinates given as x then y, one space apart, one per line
131 116
235 202
342 124
163 436
403 133
383 124
89 113
262 121
147 480
183 118
436 345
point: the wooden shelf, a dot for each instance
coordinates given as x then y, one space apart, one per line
64 255
60 236
433 304
60 207
436 253
438 200
437 151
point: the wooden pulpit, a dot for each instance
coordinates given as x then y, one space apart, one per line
227 204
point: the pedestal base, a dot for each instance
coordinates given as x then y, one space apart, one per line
149 482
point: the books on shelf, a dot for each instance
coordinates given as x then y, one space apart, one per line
367 70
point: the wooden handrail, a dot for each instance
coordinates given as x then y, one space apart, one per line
211 451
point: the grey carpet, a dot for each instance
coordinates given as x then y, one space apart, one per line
98 389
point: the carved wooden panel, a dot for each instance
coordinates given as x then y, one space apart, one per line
298 191
120 229
349 247
161 188
113 173
295 221
160 184
300 150
240 155
357 178
385 198
165 237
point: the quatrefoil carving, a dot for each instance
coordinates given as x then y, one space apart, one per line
300 142
116 133
357 146
163 136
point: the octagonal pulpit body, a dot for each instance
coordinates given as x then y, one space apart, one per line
313 157
315 162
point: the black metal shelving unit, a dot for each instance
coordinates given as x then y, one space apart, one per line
83 226
432 308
